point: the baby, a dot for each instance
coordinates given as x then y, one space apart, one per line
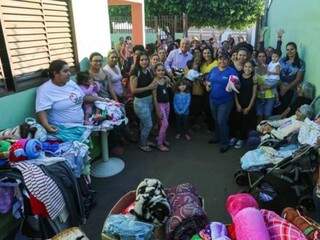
91 88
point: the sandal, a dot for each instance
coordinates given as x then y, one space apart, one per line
166 143
145 148
163 148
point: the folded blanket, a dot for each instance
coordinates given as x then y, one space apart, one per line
279 228
260 157
151 204
308 226
187 215
214 231
126 227
309 132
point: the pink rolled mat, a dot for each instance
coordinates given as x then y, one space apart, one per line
249 225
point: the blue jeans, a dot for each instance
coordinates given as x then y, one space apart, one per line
220 114
143 109
264 106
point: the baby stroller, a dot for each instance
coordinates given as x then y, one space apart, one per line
292 172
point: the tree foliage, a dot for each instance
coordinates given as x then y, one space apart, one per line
235 14
116 11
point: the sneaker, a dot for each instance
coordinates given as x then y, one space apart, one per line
239 144
277 104
163 148
187 137
225 148
232 141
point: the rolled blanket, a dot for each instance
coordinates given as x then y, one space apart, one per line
151 204
24 149
214 231
279 228
187 215
308 226
236 202
249 225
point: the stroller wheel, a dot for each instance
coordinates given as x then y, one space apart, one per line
307 202
241 178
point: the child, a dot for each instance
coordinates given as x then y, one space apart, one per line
181 104
245 117
88 87
154 59
162 105
193 73
273 77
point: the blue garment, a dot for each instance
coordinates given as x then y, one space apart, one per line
143 109
219 80
127 228
289 72
264 106
69 134
220 114
181 103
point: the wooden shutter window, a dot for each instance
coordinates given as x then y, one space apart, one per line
2 81
36 32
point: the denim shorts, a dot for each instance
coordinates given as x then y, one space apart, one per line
264 107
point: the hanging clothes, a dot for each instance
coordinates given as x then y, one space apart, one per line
42 187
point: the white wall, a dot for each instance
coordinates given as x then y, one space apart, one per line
92 30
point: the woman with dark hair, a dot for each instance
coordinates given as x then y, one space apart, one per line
59 100
101 76
142 85
208 63
291 74
221 101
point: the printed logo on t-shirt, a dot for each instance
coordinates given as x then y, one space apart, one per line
74 98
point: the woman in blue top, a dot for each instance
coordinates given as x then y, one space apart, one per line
291 74
221 101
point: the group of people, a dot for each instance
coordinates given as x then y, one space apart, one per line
181 84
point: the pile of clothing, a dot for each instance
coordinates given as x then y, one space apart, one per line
42 182
251 223
176 210
187 215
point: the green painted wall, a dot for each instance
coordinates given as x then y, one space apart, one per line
16 107
300 21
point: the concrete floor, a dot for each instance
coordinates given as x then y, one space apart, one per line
196 162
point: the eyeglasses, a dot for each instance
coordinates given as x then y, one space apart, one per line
96 60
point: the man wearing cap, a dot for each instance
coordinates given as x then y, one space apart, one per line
178 58
221 101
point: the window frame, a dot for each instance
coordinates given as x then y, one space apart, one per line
14 84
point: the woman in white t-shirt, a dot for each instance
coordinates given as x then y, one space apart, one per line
114 74
59 100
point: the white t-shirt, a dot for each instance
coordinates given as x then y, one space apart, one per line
63 104
272 68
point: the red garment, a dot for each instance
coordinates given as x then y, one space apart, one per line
231 231
37 207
